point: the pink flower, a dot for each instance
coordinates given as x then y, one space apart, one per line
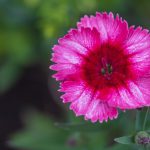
103 65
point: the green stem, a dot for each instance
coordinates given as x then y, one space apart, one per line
137 121
142 148
145 119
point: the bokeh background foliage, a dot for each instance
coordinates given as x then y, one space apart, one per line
28 30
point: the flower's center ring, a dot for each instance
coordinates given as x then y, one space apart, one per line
107 66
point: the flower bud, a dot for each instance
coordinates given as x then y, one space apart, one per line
142 138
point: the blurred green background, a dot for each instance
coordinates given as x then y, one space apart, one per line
32 116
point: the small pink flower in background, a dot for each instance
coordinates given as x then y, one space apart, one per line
103 65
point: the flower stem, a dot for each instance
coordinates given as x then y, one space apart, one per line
137 121
142 148
145 119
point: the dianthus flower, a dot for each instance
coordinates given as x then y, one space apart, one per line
103 65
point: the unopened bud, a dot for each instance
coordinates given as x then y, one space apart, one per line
142 138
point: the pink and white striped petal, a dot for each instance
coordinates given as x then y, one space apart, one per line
144 86
128 97
72 89
137 46
86 37
65 71
111 29
100 111
83 102
65 55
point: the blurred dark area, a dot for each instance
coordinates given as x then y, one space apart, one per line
31 90
28 30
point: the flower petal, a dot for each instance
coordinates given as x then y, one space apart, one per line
58 67
110 29
137 48
64 55
72 89
66 74
128 97
83 102
100 111
69 54
86 37
144 86
65 71
80 105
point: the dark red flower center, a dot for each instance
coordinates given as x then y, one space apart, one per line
106 67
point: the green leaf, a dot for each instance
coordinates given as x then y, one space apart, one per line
125 140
